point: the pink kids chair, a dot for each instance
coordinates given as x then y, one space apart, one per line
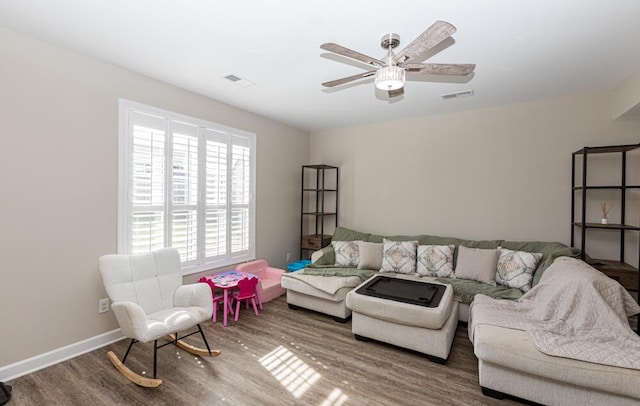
269 286
246 291
217 298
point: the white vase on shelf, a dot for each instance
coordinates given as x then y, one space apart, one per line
604 220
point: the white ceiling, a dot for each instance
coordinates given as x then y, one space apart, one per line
524 50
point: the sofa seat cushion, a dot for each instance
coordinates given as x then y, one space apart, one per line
403 313
514 349
168 321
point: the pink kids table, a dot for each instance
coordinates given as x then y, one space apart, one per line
227 281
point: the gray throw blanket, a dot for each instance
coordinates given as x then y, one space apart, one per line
574 312
323 283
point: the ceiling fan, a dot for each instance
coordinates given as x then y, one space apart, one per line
390 71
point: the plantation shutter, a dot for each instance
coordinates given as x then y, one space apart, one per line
240 194
184 190
147 190
216 194
188 184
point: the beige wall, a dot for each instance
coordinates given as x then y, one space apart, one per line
493 173
58 165
626 98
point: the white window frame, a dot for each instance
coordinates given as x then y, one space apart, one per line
125 207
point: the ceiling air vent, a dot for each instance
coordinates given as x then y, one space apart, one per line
464 93
239 81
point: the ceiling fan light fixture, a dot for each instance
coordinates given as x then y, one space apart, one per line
390 78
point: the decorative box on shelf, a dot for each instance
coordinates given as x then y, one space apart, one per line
315 241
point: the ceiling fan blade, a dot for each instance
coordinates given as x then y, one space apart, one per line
438 32
397 92
441 68
348 79
349 53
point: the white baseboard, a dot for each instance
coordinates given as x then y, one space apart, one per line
41 361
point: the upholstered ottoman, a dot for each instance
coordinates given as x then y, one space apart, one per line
429 330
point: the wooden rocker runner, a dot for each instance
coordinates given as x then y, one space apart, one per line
150 302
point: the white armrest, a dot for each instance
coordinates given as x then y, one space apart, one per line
132 320
195 294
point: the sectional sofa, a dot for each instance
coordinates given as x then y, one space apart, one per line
510 323
305 295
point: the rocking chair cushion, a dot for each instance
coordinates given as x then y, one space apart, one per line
149 300
134 323
164 322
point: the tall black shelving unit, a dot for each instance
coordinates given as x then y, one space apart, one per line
626 274
319 204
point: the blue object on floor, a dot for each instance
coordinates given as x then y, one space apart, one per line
298 265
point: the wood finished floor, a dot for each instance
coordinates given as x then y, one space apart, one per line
282 357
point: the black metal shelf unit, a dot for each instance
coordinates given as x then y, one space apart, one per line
626 274
319 201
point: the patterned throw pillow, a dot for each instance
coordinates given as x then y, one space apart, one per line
436 260
399 256
347 253
516 268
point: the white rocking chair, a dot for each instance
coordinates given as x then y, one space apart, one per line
150 302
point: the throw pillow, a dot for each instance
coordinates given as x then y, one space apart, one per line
399 256
477 264
436 260
516 268
370 255
347 253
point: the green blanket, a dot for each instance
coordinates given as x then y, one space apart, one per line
363 274
465 290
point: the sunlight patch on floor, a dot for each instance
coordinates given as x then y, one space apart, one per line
335 398
290 371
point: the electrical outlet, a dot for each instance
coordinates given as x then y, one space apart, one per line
288 257
103 305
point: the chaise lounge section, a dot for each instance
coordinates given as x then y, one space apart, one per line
567 341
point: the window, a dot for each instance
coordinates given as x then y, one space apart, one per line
185 183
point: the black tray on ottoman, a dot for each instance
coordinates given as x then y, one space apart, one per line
404 290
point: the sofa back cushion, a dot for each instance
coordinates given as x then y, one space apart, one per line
477 264
370 255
